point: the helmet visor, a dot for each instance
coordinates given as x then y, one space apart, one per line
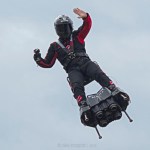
63 30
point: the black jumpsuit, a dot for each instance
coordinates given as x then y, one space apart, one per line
80 66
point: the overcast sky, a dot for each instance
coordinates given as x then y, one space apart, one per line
37 110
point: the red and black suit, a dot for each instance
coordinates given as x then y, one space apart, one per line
78 67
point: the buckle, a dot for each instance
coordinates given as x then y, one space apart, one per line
71 55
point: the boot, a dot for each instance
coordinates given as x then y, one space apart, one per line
82 104
86 110
112 87
81 101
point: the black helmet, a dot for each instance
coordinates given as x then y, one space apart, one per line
63 26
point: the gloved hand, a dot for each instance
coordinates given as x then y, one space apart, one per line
81 14
37 55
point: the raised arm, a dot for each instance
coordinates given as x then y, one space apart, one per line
87 23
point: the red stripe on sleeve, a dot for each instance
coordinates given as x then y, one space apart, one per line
43 63
85 29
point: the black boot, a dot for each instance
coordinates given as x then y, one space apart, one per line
112 87
85 109
82 104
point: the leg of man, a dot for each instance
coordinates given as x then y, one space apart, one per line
76 80
92 70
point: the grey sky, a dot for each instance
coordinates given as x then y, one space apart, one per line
37 110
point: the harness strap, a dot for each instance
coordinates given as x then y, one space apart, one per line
70 55
64 48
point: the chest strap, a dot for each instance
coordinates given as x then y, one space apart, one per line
70 55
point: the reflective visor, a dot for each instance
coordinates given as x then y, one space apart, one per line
63 28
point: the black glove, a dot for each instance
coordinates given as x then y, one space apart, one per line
37 55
